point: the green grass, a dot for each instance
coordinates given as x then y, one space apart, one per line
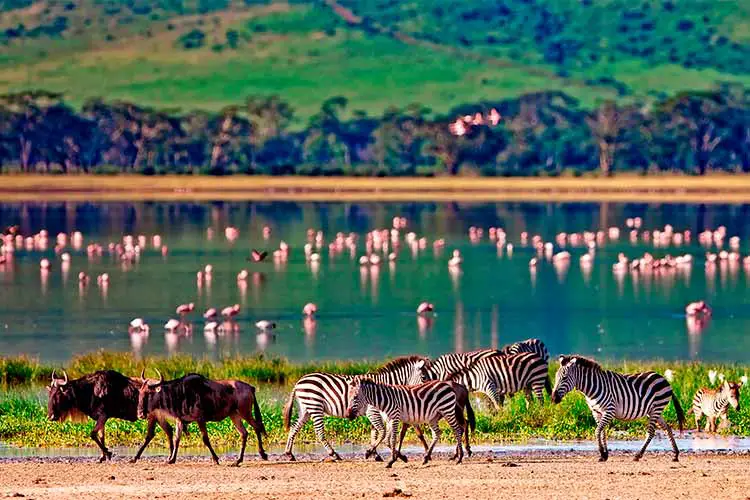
305 53
23 409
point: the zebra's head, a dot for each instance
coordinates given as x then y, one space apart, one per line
565 379
352 409
731 391
427 372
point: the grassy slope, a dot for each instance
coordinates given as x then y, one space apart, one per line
22 414
303 52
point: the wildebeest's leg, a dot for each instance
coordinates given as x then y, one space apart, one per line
173 456
150 431
318 425
204 433
664 425
650 431
435 438
237 421
168 431
248 416
304 416
99 427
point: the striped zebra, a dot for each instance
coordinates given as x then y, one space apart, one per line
613 395
442 367
529 345
713 403
417 404
500 376
319 394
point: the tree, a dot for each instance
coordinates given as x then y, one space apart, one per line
606 124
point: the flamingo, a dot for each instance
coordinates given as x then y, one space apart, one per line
425 307
138 326
102 279
265 325
211 313
310 309
456 260
172 325
185 309
242 275
257 256
44 264
83 278
231 311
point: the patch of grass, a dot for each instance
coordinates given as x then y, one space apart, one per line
23 412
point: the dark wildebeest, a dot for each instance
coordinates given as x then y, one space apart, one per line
100 395
194 398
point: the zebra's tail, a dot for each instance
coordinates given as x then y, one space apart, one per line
680 413
460 415
288 407
470 417
258 415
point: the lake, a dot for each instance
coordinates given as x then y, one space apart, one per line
369 312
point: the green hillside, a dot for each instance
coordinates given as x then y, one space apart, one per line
441 53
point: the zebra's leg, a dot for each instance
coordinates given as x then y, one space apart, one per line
650 432
664 425
319 426
497 398
302 419
709 424
698 413
724 422
538 389
435 438
377 435
392 440
420 434
402 435
458 431
601 434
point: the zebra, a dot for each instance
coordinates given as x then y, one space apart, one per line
529 345
416 404
319 394
442 367
613 395
498 376
713 403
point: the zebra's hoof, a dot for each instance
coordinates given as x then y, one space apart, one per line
468 453
675 459
636 458
389 465
370 453
263 455
604 458
403 458
290 457
337 457
378 458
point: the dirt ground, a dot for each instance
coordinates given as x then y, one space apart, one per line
485 476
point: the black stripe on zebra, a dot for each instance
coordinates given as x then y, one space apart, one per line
444 366
500 376
426 403
713 403
320 394
613 395
529 345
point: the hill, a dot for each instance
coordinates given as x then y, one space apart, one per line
441 53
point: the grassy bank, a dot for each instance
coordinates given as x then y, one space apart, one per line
658 188
23 407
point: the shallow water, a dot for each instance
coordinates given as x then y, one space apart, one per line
369 313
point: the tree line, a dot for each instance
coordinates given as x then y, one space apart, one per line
543 133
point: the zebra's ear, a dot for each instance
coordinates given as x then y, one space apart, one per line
420 364
561 359
573 360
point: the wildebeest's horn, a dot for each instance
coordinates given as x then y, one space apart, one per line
161 377
65 374
143 375
54 380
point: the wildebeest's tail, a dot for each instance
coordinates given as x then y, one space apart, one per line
678 409
258 415
470 416
288 410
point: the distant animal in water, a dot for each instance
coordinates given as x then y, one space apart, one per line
699 308
613 395
185 309
265 325
310 309
425 307
715 403
257 256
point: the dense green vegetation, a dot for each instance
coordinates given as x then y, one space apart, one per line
544 133
23 407
380 53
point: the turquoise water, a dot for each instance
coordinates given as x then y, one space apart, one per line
369 312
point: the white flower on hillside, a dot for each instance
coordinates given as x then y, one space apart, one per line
669 375
712 376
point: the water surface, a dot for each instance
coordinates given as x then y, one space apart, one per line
369 312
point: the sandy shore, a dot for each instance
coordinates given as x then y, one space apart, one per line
484 476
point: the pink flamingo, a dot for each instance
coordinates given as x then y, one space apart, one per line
211 313
231 311
310 309
425 307
185 309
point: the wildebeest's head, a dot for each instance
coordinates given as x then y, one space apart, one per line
146 394
731 391
62 399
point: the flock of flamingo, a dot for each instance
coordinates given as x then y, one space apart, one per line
385 245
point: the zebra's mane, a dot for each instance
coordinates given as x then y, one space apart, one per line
400 363
581 361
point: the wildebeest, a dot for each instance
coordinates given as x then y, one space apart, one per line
100 395
194 398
